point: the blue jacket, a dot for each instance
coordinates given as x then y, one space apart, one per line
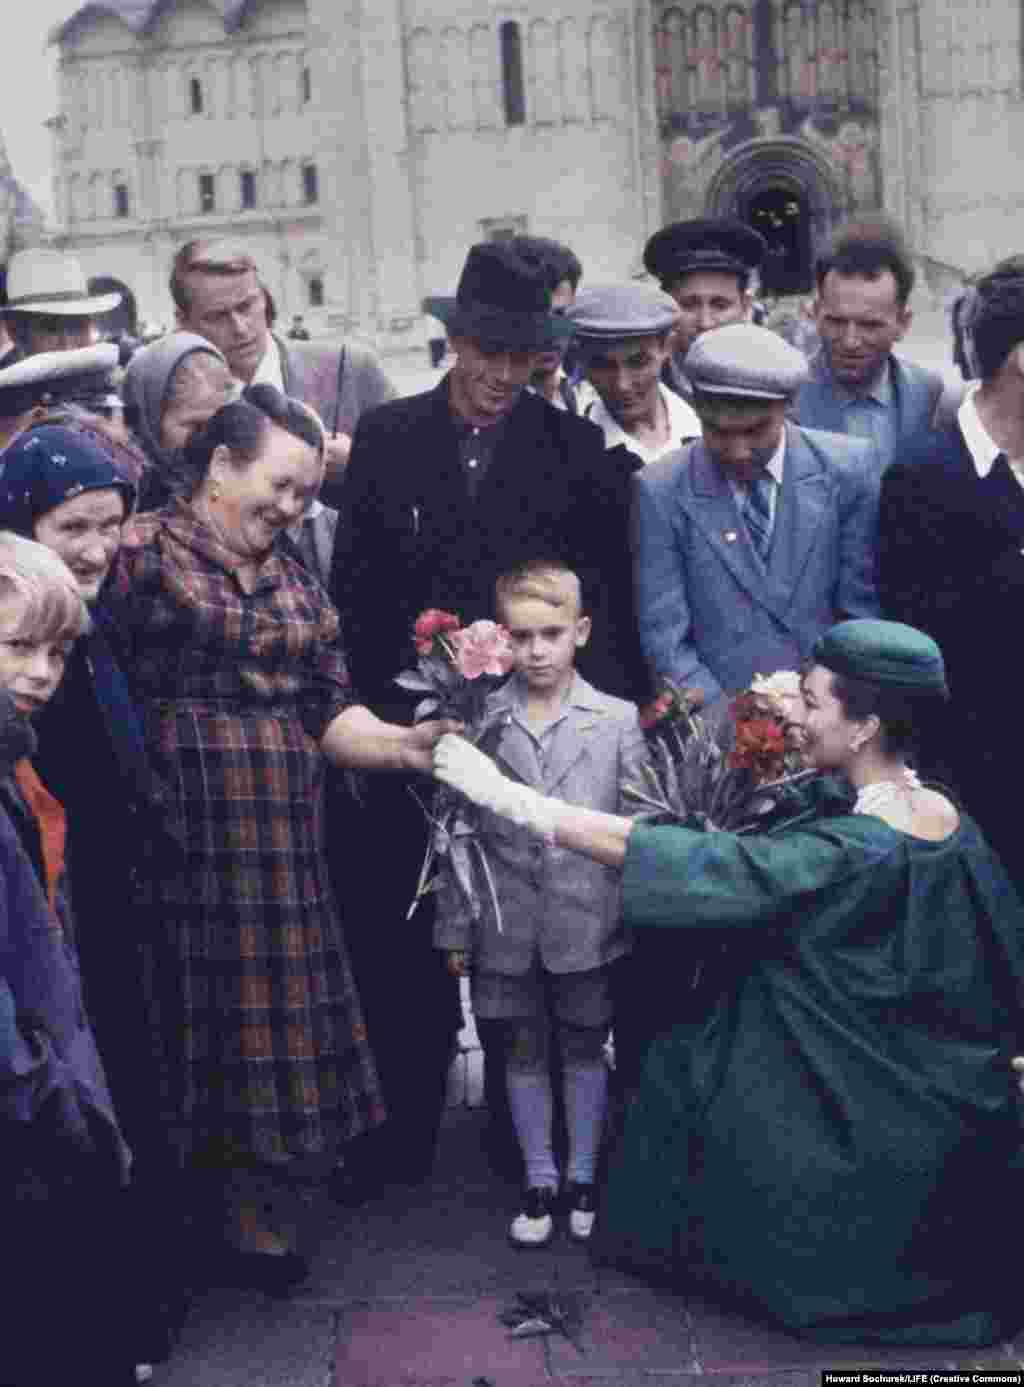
55 1110
710 614
920 398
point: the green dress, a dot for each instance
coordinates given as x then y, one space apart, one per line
831 1137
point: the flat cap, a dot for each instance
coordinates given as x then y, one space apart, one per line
603 312
745 360
37 379
884 652
708 243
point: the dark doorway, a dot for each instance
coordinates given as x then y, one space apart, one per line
781 215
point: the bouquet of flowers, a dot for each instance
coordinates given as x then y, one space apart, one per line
731 775
458 667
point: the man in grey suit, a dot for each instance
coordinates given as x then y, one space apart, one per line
857 385
217 294
753 540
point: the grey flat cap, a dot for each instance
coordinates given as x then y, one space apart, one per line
745 360
603 312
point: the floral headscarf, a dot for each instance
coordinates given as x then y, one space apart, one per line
47 466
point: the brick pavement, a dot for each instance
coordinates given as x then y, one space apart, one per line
406 1293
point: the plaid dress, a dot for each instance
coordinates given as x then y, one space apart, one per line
237 676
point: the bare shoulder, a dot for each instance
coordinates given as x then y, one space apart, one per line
935 817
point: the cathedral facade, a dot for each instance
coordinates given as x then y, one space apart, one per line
360 146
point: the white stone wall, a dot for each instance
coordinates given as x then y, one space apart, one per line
572 170
960 111
127 118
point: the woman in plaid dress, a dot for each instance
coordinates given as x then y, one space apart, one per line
233 649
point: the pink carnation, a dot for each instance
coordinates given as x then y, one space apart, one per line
482 648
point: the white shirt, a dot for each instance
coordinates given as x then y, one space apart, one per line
980 443
270 371
682 423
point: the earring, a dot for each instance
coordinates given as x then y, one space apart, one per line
215 491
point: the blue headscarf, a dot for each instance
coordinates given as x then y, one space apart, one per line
47 466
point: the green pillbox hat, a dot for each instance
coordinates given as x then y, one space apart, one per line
884 652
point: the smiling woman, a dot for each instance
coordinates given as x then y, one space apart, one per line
244 693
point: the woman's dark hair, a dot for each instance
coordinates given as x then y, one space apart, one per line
903 715
241 426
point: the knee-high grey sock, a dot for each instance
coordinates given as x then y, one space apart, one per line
586 1100
529 1097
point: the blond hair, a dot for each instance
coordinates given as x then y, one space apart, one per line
545 580
53 608
223 259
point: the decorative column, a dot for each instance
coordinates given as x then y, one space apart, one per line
341 152
648 136
899 96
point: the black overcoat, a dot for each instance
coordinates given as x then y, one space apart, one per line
416 539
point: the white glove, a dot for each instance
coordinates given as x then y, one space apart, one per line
458 763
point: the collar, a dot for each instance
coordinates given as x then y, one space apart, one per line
185 525
774 465
579 694
879 392
682 422
270 371
980 445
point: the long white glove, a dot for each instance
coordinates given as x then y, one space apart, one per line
458 763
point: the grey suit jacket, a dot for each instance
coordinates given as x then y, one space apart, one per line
555 905
310 373
920 399
711 614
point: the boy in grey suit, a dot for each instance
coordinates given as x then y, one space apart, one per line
543 971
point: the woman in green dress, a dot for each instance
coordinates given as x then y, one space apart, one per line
831 1137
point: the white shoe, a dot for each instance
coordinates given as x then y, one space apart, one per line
582 1211
143 1372
534 1227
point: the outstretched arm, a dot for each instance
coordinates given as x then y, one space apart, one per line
600 836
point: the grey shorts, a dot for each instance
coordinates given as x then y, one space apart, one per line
578 999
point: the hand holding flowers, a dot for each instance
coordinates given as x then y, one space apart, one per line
458 668
728 776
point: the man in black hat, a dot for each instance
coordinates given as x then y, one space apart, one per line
445 491
708 266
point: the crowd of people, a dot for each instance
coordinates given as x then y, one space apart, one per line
213 557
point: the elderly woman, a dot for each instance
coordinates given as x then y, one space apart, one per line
62 1157
238 670
170 388
60 487
831 1140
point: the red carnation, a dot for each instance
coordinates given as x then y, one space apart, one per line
429 624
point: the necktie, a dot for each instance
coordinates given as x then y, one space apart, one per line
757 515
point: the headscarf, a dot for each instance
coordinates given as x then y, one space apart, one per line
147 379
47 466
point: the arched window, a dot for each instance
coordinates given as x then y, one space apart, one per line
247 189
121 207
310 185
195 96
512 73
316 291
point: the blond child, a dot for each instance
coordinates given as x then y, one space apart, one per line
545 973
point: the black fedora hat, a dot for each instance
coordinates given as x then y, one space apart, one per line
502 301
